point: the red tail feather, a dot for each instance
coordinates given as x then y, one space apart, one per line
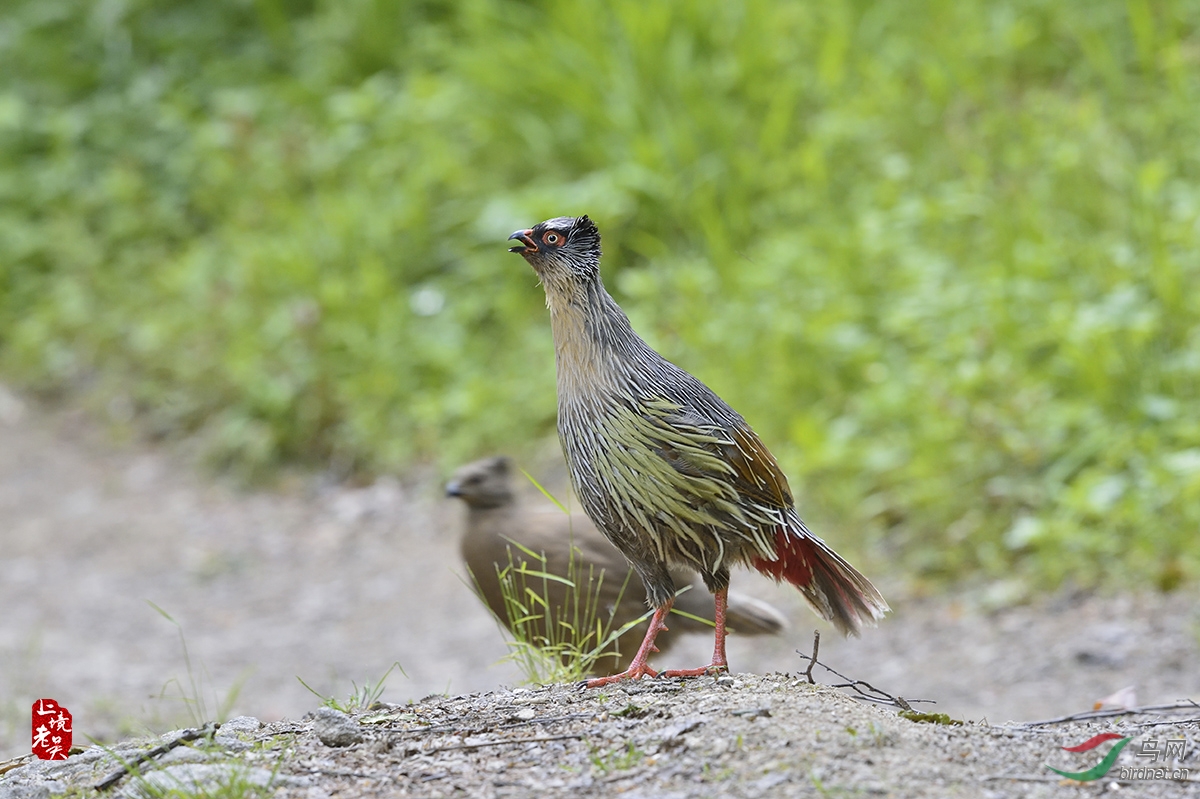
834 588
794 563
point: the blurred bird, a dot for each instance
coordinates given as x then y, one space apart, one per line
495 519
668 472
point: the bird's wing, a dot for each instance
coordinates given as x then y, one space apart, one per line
743 461
671 467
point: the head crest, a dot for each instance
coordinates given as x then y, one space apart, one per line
585 234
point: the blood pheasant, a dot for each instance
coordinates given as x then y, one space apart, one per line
667 471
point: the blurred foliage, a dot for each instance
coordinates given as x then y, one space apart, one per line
944 255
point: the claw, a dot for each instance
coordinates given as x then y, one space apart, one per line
638 668
634 672
712 669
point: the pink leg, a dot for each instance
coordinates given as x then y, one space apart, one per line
637 667
719 661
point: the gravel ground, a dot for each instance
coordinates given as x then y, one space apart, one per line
744 736
333 584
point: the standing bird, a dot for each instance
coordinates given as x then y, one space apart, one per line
496 520
667 471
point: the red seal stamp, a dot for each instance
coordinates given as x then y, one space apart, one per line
51 730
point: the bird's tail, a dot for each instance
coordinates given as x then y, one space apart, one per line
834 588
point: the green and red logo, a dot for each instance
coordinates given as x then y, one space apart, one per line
1100 769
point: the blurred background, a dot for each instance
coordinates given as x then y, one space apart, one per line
944 256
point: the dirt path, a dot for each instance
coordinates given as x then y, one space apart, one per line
744 736
334 584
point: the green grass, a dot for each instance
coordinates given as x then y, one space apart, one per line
197 695
560 643
942 254
361 697
619 759
549 640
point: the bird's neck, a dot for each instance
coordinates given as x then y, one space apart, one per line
592 337
486 528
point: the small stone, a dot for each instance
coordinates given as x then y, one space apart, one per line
229 735
525 714
335 728
726 681
184 754
241 724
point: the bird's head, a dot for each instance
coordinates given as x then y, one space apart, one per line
560 249
482 484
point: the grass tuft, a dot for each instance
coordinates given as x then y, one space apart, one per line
361 697
557 643
191 693
554 644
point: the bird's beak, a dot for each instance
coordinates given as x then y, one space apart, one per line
526 238
453 489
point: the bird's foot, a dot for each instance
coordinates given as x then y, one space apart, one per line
635 672
713 669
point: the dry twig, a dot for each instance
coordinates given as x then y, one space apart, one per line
861 688
128 768
812 661
1188 704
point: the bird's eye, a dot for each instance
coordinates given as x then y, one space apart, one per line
552 238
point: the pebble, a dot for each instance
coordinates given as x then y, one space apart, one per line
335 728
229 733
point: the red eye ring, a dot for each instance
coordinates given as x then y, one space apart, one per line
552 238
